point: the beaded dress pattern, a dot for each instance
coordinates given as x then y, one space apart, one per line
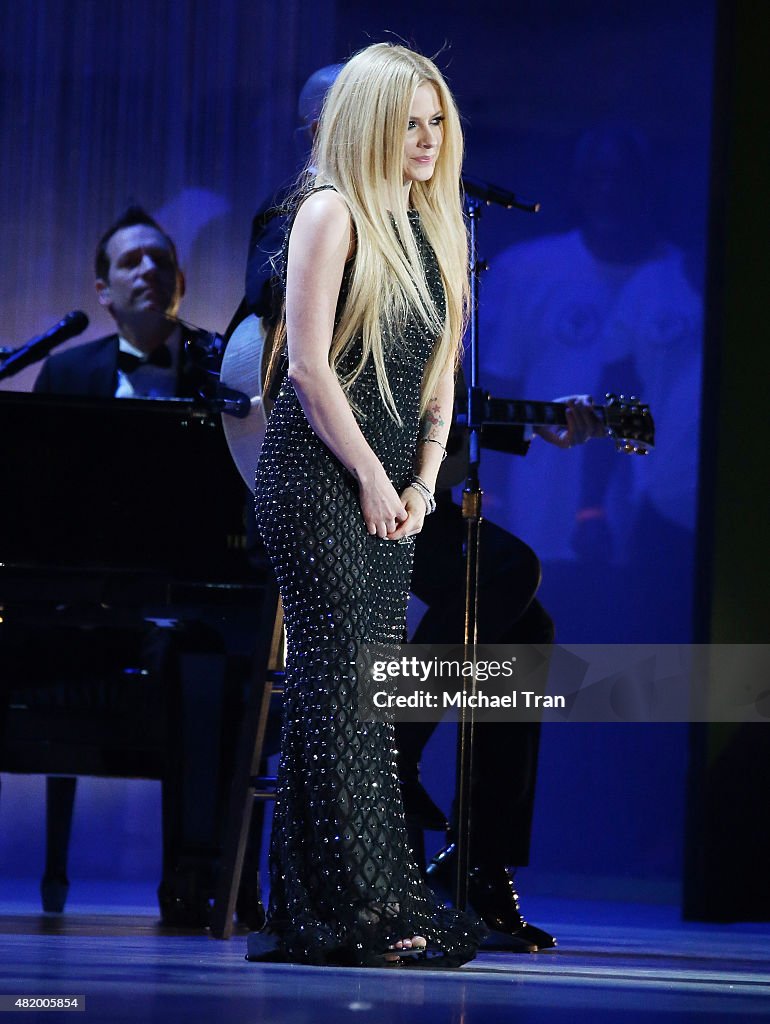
343 882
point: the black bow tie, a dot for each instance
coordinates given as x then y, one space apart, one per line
160 356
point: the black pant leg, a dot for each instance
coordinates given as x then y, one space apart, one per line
505 753
505 762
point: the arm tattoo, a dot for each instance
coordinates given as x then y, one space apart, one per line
433 421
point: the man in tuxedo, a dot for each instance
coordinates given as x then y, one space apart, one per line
139 282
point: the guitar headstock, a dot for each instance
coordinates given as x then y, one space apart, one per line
630 423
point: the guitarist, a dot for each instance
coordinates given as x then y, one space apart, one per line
505 755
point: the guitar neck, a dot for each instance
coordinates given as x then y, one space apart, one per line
524 413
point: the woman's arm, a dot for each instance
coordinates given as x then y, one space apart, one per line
319 245
435 429
431 446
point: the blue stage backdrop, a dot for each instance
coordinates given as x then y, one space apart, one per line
598 109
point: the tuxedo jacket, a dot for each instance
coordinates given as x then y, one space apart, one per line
92 369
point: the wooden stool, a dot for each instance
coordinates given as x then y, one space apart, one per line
247 785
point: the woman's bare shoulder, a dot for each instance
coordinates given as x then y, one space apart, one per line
323 221
322 207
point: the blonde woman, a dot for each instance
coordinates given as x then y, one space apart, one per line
376 293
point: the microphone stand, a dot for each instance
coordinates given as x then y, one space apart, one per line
471 510
476 195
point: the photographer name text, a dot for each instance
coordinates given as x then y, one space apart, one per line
460 699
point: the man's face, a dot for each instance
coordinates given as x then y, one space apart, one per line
143 278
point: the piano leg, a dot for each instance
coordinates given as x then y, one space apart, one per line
195 683
60 798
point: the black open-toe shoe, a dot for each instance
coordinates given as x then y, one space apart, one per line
429 960
265 948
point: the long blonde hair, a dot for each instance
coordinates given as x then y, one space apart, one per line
359 149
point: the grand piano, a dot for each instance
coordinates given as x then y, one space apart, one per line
131 591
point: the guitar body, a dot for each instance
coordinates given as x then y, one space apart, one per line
243 367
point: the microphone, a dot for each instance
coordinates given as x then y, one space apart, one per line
70 325
494 194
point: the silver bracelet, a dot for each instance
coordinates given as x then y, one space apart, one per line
425 493
433 440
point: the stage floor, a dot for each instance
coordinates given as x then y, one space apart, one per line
615 963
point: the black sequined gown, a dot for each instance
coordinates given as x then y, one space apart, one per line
343 881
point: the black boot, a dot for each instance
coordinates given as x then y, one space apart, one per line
494 898
492 895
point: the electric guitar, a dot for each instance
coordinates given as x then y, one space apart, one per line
627 421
